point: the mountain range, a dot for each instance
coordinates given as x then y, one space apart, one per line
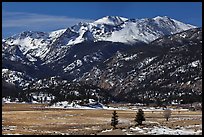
133 60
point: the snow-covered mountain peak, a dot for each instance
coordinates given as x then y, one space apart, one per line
108 28
30 34
161 17
57 33
111 20
30 42
182 25
172 22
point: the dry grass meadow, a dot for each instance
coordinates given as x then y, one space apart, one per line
34 119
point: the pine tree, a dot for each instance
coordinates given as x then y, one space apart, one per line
114 120
139 117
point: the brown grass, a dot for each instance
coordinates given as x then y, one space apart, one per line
34 119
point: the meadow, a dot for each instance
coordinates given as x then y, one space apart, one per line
35 119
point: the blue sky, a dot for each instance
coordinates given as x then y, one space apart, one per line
49 16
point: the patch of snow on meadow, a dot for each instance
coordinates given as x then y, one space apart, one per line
155 130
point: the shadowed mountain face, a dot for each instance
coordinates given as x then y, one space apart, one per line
73 51
164 70
135 60
9 89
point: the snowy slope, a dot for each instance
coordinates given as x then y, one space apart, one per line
170 64
66 51
109 28
147 30
111 20
15 77
119 29
29 41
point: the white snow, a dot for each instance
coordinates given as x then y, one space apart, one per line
130 57
168 131
137 129
57 33
15 76
195 63
146 61
76 63
145 30
85 58
75 93
75 105
122 30
107 130
31 43
30 58
183 26
8 100
111 20
42 97
163 130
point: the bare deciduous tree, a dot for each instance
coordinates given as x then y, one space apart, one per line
167 114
